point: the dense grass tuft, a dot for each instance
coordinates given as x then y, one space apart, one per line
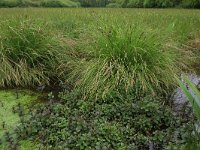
29 54
129 58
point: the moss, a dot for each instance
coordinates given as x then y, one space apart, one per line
9 99
27 145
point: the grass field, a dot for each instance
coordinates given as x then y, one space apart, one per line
110 57
83 32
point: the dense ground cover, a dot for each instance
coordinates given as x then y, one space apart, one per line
116 69
38 3
102 3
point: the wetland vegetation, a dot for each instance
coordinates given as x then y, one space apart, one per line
104 77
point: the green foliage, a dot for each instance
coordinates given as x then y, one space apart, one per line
113 5
127 117
28 54
193 96
9 118
192 143
120 122
102 3
38 3
135 3
93 3
130 58
166 3
158 3
193 99
9 3
149 3
191 3
58 3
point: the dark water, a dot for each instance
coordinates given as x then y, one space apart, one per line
180 102
179 98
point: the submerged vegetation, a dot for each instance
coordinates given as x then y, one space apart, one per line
13 104
112 72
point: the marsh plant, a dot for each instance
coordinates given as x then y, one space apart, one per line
28 54
131 58
192 93
115 73
119 122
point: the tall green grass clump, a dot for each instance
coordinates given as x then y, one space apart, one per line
28 54
129 58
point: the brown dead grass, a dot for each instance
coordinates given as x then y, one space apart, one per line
195 43
69 42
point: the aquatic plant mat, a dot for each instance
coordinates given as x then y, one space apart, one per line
14 103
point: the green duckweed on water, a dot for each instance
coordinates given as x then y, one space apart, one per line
9 120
